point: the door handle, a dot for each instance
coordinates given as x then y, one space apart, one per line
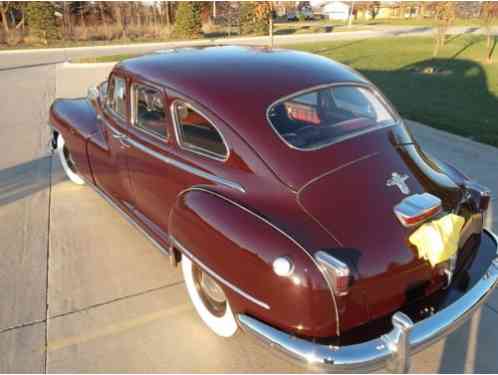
117 135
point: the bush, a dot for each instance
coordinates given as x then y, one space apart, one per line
188 22
250 21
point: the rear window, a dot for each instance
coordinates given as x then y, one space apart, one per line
328 115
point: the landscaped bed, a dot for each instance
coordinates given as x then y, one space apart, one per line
456 92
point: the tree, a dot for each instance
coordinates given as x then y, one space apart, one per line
41 20
489 14
254 17
188 22
444 14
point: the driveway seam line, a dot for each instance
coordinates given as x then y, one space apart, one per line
116 300
491 308
23 325
48 255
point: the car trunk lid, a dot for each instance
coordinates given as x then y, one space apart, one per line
355 203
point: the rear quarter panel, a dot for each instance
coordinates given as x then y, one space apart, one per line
240 247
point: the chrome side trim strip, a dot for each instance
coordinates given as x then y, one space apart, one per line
186 167
392 350
218 277
128 218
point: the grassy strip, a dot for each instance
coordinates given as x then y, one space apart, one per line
456 92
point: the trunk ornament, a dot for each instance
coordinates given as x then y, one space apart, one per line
417 208
399 181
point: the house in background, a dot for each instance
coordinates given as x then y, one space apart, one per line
333 10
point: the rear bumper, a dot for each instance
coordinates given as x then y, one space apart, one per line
392 350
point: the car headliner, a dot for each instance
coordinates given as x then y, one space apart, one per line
239 83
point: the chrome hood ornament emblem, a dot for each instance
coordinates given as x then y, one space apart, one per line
399 181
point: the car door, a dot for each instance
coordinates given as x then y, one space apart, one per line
110 166
158 170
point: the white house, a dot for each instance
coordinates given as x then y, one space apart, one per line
334 10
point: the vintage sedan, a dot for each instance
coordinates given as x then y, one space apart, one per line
301 208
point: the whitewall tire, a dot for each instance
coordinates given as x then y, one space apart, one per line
67 162
209 299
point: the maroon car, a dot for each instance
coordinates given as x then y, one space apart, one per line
288 187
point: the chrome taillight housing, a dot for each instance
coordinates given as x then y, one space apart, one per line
417 208
336 272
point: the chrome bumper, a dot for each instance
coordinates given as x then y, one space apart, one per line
392 350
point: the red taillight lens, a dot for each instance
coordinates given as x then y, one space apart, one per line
337 273
417 208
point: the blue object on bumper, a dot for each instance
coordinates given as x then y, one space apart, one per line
392 350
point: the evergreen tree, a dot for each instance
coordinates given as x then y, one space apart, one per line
188 23
40 17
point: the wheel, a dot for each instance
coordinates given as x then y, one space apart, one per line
209 299
67 162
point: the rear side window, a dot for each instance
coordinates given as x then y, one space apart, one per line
321 117
148 110
197 134
116 99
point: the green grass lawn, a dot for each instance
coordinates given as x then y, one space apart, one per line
460 97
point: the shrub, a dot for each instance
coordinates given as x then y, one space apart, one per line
188 22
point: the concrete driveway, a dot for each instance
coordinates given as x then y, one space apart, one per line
81 290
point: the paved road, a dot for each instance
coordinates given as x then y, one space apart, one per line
9 59
82 290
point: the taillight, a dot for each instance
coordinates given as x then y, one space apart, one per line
417 208
337 273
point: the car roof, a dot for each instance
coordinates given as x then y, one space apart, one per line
239 83
239 72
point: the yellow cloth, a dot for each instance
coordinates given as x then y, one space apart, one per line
437 240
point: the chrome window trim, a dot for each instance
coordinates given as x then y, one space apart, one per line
375 92
187 168
111 111
133 112
282 232
213 274
194 149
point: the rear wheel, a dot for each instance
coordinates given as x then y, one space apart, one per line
67 162
209 299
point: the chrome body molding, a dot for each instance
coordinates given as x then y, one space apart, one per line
187 168
392 350
128 218
217 277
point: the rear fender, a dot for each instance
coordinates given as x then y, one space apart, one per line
239 247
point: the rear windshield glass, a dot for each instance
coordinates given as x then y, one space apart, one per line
318 118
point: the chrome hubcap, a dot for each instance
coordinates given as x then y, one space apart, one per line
69 159
210 292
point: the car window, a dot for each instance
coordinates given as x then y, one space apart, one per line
324 116
197 133
116 99
148 110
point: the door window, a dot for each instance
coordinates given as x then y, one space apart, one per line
148 110
197 134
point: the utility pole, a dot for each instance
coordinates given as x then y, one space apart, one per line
350 21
